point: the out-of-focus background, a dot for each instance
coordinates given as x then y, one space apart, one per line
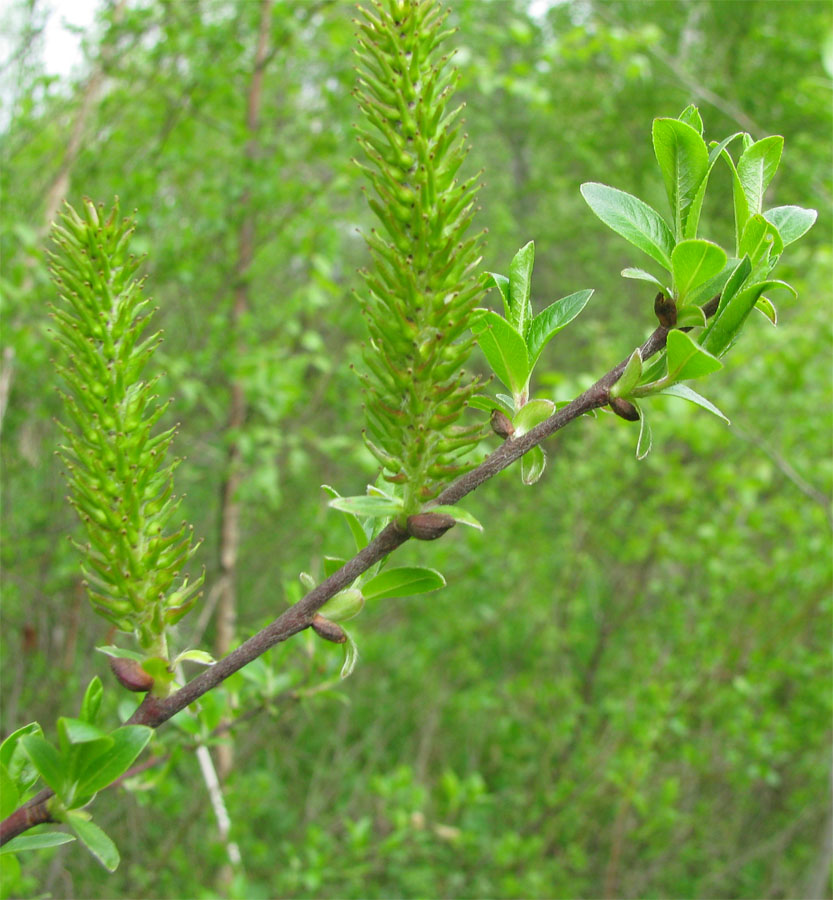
625 689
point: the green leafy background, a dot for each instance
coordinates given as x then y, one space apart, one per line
624 690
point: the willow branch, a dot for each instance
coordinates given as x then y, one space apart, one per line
154 711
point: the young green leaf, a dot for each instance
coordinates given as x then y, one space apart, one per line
531 414
459 515
693 219
767 307
792 222
351 656
520 288
691 116
734 283
757 167
727 323
46 759
694 262
371 507
630 376
642 275
551 320
740 203
94 839
760 240
533 463
505 350
16 761
686 393
645 440
128 743
404 581
197 656
359 534
684 161
41 841
77 731
501 282
633 219
687 359
92 700
9 794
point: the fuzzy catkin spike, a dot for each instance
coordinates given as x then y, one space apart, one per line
422 290
120 483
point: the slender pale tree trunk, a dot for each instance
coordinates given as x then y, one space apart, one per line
230 504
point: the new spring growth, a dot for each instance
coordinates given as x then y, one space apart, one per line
422 289
120 482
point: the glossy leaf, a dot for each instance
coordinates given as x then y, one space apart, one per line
757 167
767 307
693 220
520 288
77 731
41 841
532 414
9 794
551 320
404 581
351 657
645 440
739 201
691 116
16 761
359 534
686 393
533 463
505 351
95 840
630 376
726 325
92 700
694 262
46 759
459 515
686 358
684 161
642 275
634 220
128 743
792 222
734 283
760 240
197 656
501 282
371 507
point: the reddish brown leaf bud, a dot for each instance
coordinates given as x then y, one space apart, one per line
130 674
666 310
501 424
624 409
429 526
328 630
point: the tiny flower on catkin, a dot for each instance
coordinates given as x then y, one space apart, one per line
422 289
120 483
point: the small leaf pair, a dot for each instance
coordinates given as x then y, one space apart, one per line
86 760
513 344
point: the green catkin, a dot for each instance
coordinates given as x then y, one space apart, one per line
423 288
120 483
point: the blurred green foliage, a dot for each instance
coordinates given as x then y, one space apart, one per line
625 688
